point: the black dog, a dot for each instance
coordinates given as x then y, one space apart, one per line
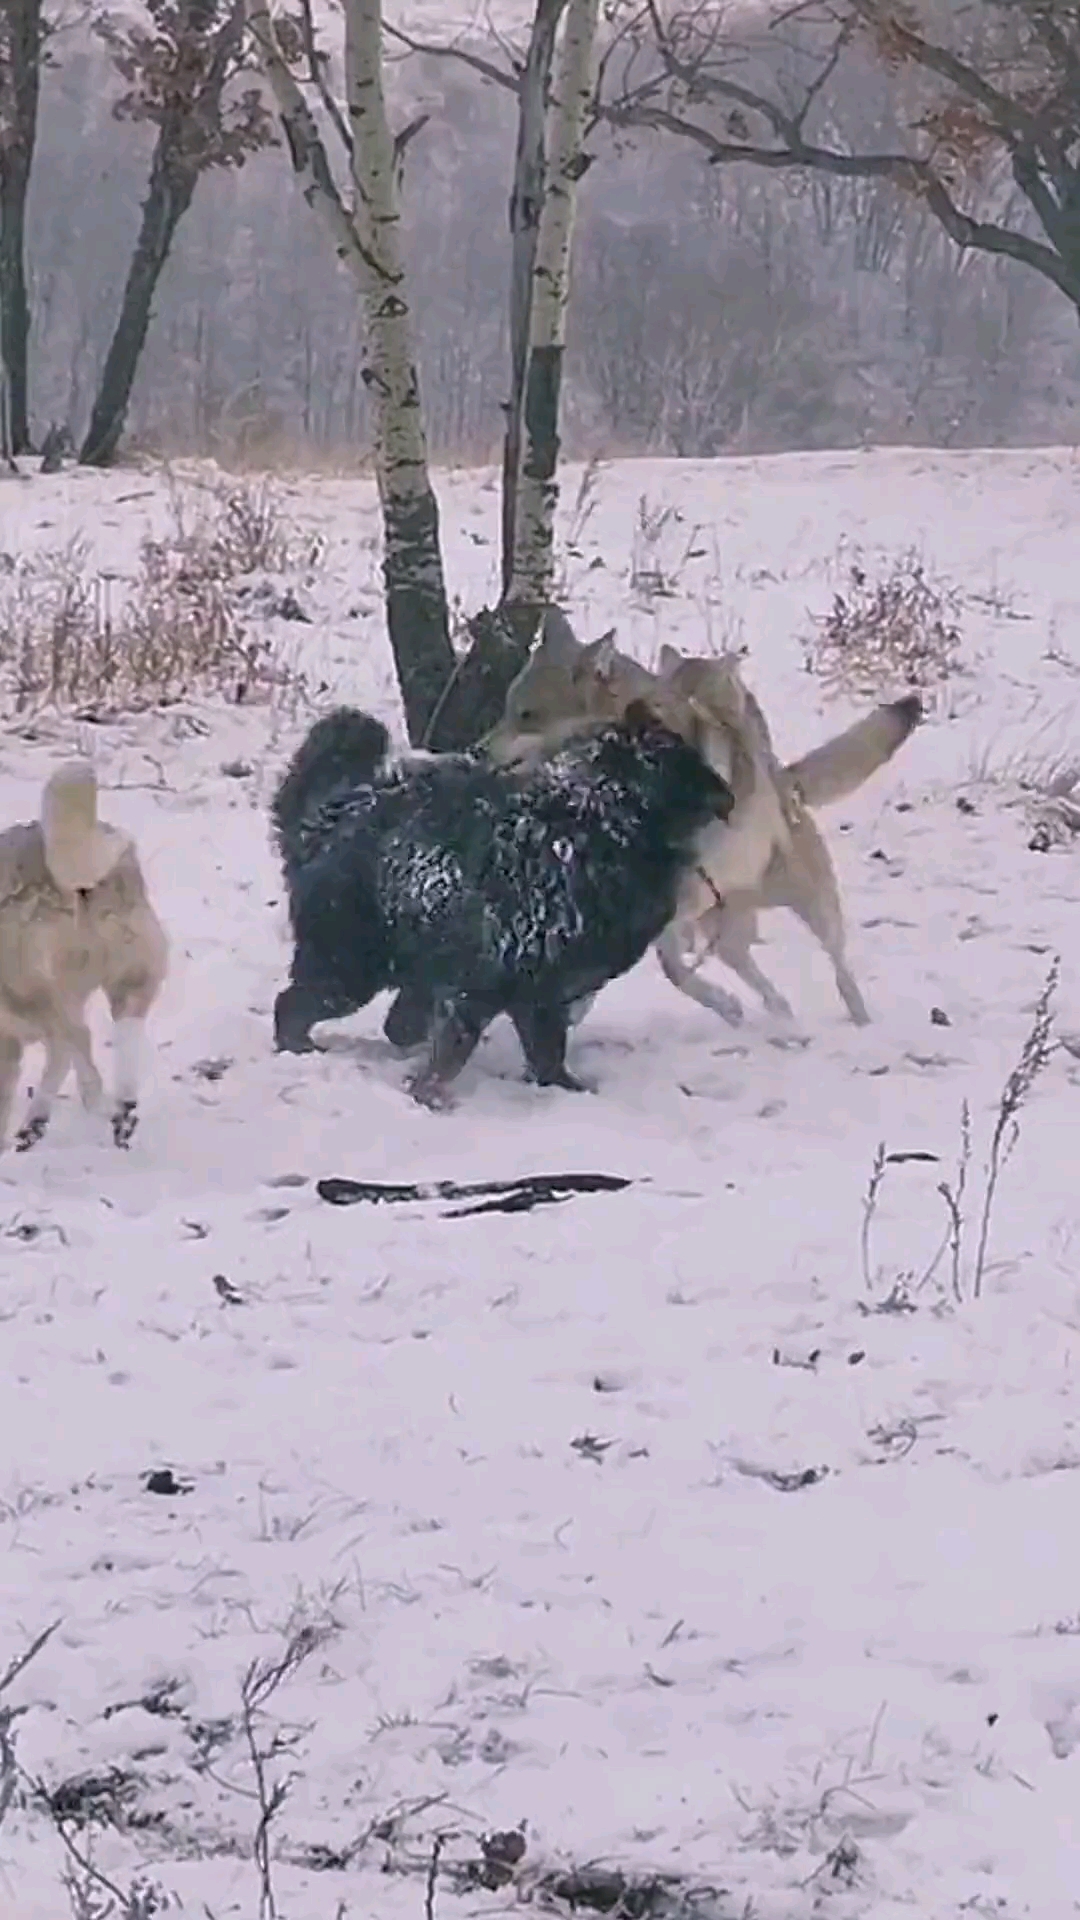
478 890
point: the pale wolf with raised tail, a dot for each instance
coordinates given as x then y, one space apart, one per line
771 853
75 919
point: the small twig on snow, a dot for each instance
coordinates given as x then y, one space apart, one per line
431 1884
9 1767
953 1196
870 1200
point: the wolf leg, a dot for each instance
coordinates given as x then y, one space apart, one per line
130 1002
670 954
811 891
543 1031
11 1053
67 1042
731 938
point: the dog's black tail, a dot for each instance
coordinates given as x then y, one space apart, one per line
344 749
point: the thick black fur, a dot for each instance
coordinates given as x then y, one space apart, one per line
344 749
478 890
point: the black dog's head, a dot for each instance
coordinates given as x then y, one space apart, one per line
644 742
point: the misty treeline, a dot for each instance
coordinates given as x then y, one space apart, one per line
714 308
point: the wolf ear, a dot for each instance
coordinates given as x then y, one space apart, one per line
670 661
597 660
556 636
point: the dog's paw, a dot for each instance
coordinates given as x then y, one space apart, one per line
569 1083
124 1122
31 1132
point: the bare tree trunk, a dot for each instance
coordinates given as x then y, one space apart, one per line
21 34
501 639
416 609
526 201
538 487
168 199
367 244
182 75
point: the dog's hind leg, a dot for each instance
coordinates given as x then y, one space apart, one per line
542 1030
408 1021
669 952
11 1053
302 1003
576 1012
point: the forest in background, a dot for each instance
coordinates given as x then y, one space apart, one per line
714 309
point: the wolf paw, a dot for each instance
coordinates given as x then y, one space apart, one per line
31 1132
124 1122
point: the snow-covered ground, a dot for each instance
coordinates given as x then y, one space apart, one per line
513 1471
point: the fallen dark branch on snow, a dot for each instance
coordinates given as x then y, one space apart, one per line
495 1196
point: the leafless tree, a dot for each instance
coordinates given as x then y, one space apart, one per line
536 489
985 97
366 238
23 43
180 74
529 79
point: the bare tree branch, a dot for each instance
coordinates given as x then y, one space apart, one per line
992 102
452 51
316 65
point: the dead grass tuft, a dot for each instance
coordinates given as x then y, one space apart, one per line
896 628
186 625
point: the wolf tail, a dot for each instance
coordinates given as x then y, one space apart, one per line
79 851
841 765
344 749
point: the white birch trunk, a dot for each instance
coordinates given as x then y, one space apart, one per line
538 486
526 203
306 150
367 241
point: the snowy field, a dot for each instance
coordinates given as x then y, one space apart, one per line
662 1521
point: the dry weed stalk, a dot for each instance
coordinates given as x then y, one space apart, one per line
651 576
92 1895
585 504
261 1681
9 1766
952 1195
1035 1055
899 629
